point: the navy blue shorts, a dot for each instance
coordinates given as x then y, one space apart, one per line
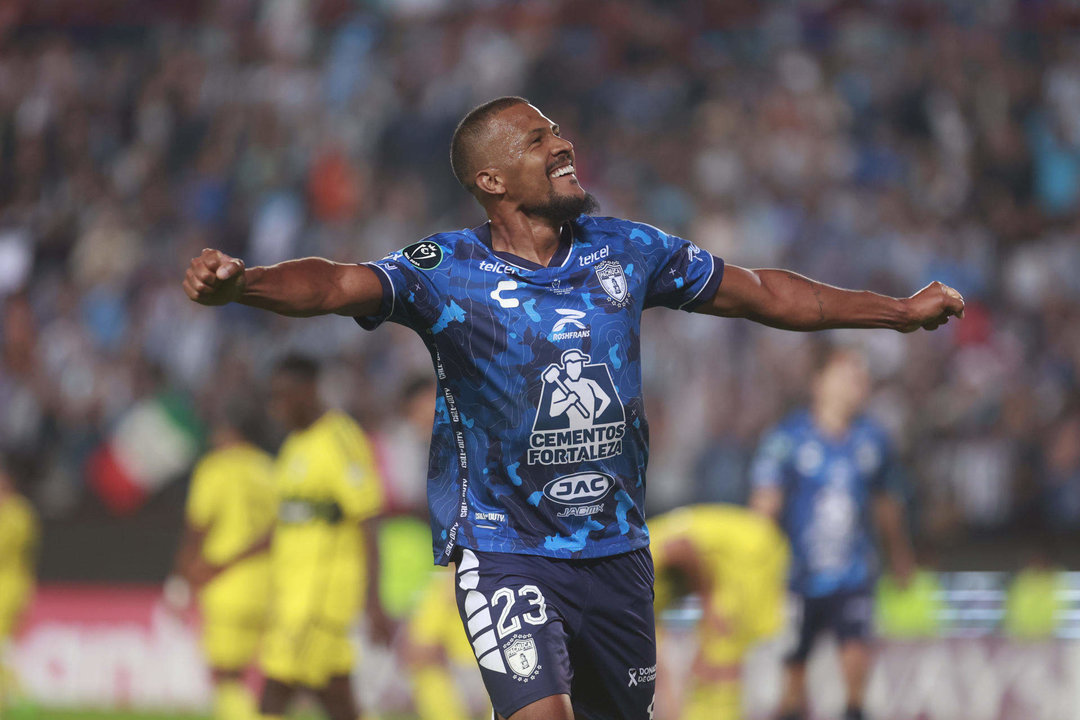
541 626
848 614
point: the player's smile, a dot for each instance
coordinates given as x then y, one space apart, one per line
563 167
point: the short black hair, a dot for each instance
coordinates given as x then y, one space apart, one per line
243 414
299 366
470 131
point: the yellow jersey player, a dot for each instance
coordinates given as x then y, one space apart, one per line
436 643
736 563
230 507
18 544
324 556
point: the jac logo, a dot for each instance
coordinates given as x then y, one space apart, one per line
578 489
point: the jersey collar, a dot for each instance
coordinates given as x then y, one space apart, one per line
559 259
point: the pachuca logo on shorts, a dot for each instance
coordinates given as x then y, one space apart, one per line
613 280
521 657
580 415
426 254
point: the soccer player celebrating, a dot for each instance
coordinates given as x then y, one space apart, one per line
536 482
324 556
822 473
230 506
735 561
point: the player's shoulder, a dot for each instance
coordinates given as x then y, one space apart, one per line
629 231
437 251
21 510
338 426
867 428
211 461
795 423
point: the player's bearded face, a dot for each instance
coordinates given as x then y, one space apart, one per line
560 207
541 170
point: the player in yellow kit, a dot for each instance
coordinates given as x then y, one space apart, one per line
736 562
230 507
437 642
18 544
323 554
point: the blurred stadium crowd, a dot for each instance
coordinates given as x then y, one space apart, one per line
879 145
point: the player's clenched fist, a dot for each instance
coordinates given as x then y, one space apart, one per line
933 306
214 278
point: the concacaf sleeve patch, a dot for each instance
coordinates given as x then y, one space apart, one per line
426 254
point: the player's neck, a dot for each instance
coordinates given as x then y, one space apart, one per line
308 418
530 238
832 421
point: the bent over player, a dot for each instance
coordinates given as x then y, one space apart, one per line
736 562
537 497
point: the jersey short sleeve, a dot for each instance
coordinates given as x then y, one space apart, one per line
681 275
410 297
202 501
773 453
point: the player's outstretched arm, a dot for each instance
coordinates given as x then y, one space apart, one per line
298 288
787 300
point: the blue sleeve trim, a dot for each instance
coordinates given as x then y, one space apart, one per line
708 290
386 307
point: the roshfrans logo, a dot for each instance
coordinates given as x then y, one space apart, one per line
579 489
569 325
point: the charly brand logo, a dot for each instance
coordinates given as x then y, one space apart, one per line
580 416
521 658
613 280
505 286
426 255
578 489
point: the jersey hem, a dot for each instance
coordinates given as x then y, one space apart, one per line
444 558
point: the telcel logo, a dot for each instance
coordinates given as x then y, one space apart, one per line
578 489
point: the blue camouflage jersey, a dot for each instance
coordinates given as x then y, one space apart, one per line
540 442
827 484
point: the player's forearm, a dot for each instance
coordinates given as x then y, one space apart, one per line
794 302
307 287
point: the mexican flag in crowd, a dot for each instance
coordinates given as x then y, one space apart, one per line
156 441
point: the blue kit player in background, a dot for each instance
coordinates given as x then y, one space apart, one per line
827 475
536 481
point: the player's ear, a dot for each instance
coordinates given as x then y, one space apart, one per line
490 181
